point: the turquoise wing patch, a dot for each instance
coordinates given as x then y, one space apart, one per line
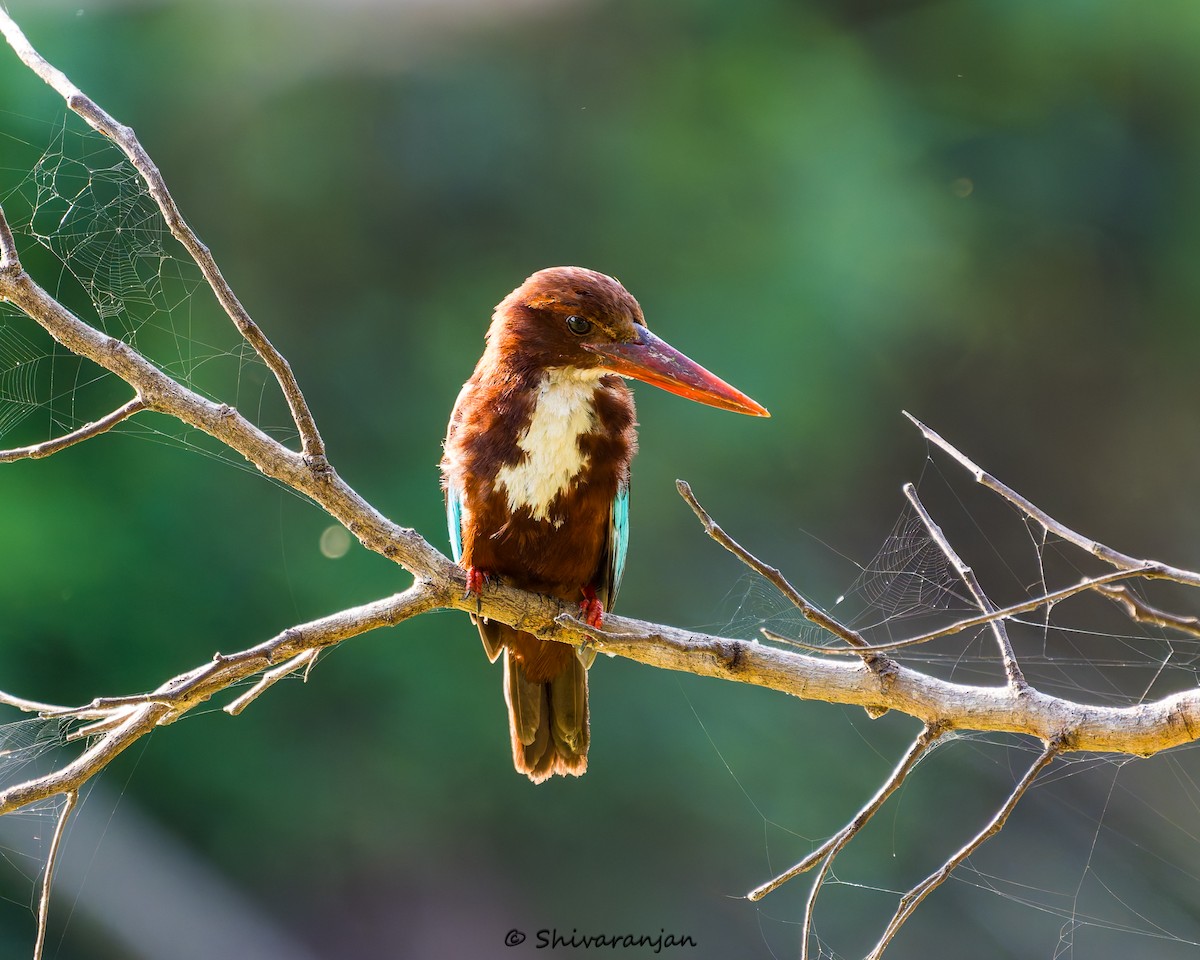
454 511
618 542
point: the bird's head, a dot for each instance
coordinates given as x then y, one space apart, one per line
571 317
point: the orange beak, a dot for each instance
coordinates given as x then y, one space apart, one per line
653 360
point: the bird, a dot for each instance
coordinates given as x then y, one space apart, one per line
535 470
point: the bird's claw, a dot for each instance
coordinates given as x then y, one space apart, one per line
476 580
591 610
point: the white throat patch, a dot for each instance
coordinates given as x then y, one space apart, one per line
562 413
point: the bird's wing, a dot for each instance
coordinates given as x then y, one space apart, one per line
492 634
454 512
613 564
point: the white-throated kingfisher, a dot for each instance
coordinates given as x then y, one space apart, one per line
536 473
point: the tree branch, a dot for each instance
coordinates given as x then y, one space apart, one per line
8 246
911 900
1139 730
60 828
829 849
1097 584
86 432
1012 669
130 718
1141 612
773 576
1153 569
270 678
127 141
876 682
163 394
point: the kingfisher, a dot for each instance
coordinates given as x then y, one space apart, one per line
536 475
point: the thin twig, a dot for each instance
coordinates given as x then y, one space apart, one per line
225 424
98 727
86 432
8 246
918 749
1154 569
1012 669
29 706
983 619
771 574
830 848
121 721
269 679
69 799
127 141
910 901
1140 611
102 708
91 761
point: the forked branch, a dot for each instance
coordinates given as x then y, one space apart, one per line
911 900
1049 599
124 137
1012 669
1122 561
773 576
86 432
872 680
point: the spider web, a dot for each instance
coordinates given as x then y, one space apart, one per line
1120 881
87 229
28 748
1099 857
83 217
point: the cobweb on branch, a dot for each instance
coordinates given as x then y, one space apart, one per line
88 230
1098 860
19 361
27 748
908 578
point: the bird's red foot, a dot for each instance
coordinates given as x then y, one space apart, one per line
591 610
476 580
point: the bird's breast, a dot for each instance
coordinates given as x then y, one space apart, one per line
551 456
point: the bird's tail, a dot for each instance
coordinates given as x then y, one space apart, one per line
545 687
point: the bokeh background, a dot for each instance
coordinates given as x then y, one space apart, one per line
982 212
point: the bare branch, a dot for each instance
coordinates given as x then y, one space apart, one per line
127 141
919 748
1154 569
1002 613
122 721
1138 610
910 901
86 432
27 706
777 579
1011 668
166 395
48 876
88 731
73 775
830 848
1140 730
8 246
877 683
269 679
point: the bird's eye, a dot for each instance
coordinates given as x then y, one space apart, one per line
578 326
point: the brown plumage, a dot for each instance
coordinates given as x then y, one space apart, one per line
536 473
557 546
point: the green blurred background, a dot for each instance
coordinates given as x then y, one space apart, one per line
981 212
